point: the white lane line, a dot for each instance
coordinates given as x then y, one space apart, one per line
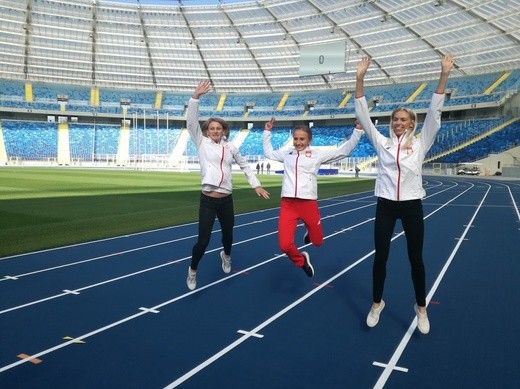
379 364
513 202
97 258
250 333
94 241
149 310
72 341
67 291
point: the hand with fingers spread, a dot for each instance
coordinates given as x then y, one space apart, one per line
201 89
360 75
363 67
262 192
447 63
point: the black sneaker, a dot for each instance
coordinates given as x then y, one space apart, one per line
306 238
307 266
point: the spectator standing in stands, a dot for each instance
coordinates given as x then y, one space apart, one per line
216 156
300 188
399 188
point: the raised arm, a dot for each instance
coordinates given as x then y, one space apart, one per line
201 89
447 63
432 120
360 103
269 125
269 153
360 76
192 117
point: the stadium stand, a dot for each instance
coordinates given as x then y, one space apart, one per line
100 67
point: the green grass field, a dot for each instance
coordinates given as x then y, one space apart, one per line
48 207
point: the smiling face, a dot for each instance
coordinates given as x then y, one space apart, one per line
301 139
402 121
215 129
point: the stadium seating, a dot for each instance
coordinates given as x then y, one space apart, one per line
35 141
466 90
38 140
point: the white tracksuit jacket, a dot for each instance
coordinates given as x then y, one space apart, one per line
216 159
301 168
399 176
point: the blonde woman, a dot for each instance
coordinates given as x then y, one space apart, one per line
399 187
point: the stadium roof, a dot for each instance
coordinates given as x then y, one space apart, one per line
252 46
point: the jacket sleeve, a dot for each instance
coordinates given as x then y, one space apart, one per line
345 150
244 166
432 121
363 116
192 122
275 155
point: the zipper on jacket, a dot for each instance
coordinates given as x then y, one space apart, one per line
398 169
296 176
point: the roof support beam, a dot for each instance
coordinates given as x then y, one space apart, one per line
27 28
147 44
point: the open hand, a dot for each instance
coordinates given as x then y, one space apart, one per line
447 63
202 89
362 67
262 192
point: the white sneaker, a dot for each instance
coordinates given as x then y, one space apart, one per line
191 281
226 262
373 315
423 324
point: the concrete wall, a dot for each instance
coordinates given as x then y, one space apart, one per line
508 160
511 171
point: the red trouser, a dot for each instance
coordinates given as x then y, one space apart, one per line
292 210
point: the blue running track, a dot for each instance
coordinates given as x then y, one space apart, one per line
116 313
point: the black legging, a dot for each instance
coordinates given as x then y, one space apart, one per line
411 214
210 207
